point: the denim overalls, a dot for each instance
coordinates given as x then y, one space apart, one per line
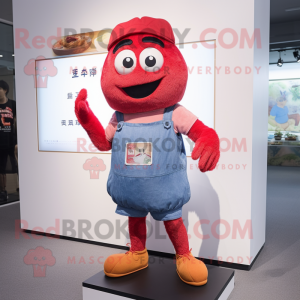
161 188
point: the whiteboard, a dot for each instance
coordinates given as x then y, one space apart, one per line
58 128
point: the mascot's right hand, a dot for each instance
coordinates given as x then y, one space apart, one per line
82 109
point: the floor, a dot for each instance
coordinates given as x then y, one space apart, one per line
275 274
13 197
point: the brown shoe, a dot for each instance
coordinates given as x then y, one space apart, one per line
122 264
191 270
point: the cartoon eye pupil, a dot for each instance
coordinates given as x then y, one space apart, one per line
45 68
150 61
35 258
36 68
127 62
43 258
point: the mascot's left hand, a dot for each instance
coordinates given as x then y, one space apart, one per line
207 146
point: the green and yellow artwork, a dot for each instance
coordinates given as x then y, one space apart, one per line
284 156
284 105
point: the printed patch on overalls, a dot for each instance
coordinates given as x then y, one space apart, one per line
138 154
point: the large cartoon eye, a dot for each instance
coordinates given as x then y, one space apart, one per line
125 62
151 59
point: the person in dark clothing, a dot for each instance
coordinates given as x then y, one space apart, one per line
8 140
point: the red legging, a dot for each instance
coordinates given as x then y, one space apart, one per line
175 229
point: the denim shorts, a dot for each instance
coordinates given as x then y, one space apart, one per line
158 216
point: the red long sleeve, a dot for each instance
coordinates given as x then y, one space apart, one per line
90 123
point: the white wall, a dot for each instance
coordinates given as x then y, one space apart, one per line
260 111
55 186
287 71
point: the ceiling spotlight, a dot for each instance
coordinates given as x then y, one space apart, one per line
280 61
1 55
12 55
297 56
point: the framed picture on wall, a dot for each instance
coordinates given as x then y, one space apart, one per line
284 105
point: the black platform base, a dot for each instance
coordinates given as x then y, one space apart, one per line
159 281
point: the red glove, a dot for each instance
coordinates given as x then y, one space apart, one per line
207 146
90 123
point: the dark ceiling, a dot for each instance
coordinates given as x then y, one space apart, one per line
285 24
279 13
6 10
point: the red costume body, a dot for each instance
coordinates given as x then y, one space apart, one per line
137 35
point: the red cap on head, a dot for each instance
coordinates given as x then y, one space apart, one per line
159 27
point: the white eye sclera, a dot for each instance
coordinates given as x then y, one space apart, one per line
151 59
125 62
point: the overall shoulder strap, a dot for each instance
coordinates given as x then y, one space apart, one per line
168 113
120 116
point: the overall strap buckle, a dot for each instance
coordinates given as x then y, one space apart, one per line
167 119
120 119
120 125
167 124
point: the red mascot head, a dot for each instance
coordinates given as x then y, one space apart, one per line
144 70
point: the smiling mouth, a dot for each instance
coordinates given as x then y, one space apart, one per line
142 90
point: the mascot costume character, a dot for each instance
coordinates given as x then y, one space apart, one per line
143 79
